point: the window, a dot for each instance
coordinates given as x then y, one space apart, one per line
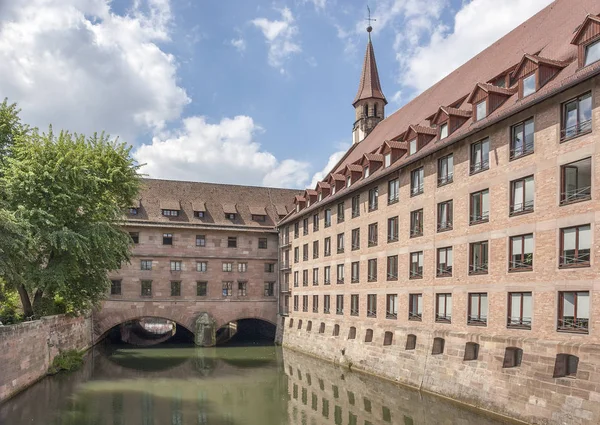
175 289
471 351
529 85
355 206
565 366
480 207
170 213
373 232
355 239
480 156
269 267
230 216
327 217
305 252
242 288
200 240
438 346
478 309
321 331
412 147
296 254
443 130
478 258
327 275
315 222
521 142
326 303
391 306
242 267
296 229
392 230
133 211
354 305
340 273
521 253
348 181
296 302
305 226
444 216
393 191
369 335
373 198
135 237
146 265
336 332
366 171
574 311
392 267
445 170
201 289
481 110
577 116
519 310
315 249
415 306
227 267
444 262
201 266
305 303
115 287
340 243
411 342
259 217
576 181
416 181
371 305
512 357
340 212
175 266
592 53
387 160
352 335
443 308
327 246
575 244
388 337
522 192
304 277
416 265
339 304
146 286
199 214
315 276
262 243
308 329
232 242
315 304
167 239
372 270
355 272
416 223
296 279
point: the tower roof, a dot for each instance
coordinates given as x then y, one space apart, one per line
369 86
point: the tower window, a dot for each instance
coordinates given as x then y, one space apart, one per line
375 110
366 110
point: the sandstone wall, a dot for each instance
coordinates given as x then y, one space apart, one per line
27 349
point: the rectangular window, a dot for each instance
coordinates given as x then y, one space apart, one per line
391 306
373 234
133 211
326 303
340 273
170 213
269 289
115 287
480 207
327 275
444 262
201 266
232 242
529 85
175 289
146 286
315 276
201 289
416 223
135 237
340 212
315 304
270 267
446 170
355 206
478 258
444 216
199 214
167 239
340 243
315 222
296 230
480 156
146 265
296 279
575 245
481 110
519 310
296 302
305 226
443 130
417 181
373 198
327 214
576 181
339 304
522 193
175 266
305 252
227 267
443 308
416 265
577 116
521 253
348 180
305 303
296 254
315 250
372 270
412 147
355 239
262 243
393 191
230 216
304 277
242 288
242 267
355 272
478 309
521 142
392 230
574 311
366 171
354 305
415 306
259 217
387 160
201 240
392 267
327 246
371 305
592 53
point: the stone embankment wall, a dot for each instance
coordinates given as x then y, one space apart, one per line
528 392
27 349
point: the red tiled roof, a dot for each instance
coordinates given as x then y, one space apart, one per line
311 192
338 176
420 129
323 185
490 88
396 145
199 206
299 198
354 167
374 157
281 209
457 112
369 86
257 210
583 26
229 209
170 204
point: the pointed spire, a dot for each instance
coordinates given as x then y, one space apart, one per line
369 87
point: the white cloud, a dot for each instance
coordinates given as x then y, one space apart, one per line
280 36
476 25
331 162
239 44
224 152
77 65
319 4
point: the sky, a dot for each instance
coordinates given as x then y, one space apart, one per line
232 91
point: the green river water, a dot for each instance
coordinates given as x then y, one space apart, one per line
252 385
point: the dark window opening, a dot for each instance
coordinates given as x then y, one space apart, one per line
388 338
438 346
411 342
471 351
512 357
369 335
352 333
565 366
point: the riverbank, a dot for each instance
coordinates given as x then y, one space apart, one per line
29 348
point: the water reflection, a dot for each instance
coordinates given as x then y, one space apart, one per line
233 385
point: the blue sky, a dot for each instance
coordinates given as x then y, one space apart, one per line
232 91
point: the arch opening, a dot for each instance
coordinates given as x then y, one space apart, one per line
148 331
249 331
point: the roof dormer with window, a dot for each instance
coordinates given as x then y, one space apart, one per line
310 196
533 72
336 181
352 173
587 40
486 98
448 119
299 203
371 162
417 137
323 189
392 151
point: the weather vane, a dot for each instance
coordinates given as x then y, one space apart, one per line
370 28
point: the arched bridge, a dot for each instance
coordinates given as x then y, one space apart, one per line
200 318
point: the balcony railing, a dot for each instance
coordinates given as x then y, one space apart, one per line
372 206
315 255
519 266
354 279
416 189
519 322
340 250
305 257
478 268
576 195
573 324
391 314
445 179
327 253
392 238
477 320
581 259
481 217
355 246
328 223
315 309
340 281
327 282
340 218
305 283
521 208
372 242
444 226
326 310
339 310
285 266
392 276
445 318
519 151
355 213
305 308
371 313
479 166
285 287
393 199
354 312
372 278
415 316
416 231
416 273
576 130
444 271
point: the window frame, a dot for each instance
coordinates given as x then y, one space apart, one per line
449 216
373 234
448 178
413 310
528 148
341 212
560 317
116 287
355 239
528 78
562 264
582 193
416 272
146 288
199 285
391 267
477 320
354 304
579 131
373 198
395 185
417 181
522 322
446 271
593 43
371 305
527 207
416 223
391 314
484 165
484 216
483 268
394 235
526 267
445 318
175 288
355 206
370 276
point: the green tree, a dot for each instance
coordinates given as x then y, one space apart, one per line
11 127
66 195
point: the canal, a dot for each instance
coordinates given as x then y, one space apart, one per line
233 385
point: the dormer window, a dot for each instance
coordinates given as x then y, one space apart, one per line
387 160
170 213
443 131
230 216
308 202
529 85
298 208
133 211
592 53
366 171
348 181
412 147
259 217
320 196
333 189
199 214
481 110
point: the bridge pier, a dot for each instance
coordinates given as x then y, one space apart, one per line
206 331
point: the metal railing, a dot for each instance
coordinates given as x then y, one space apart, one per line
476 167
393 199
478 268
372 278
372 242
575 130
573 324
477 320
581 259
519 322
444 226
391 314
416 273
315 309
340 250
371 313
521 208
527 264
285 311
392 276
448 178
443 318
315 255
416 189
304 257
482 217
444 271
340 281
339 311
414 316
416 231
327 223
355 213
373 206
354 279
575 195
392 238
524 149
355 246
326 310
354 312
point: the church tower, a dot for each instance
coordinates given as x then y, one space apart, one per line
369 103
